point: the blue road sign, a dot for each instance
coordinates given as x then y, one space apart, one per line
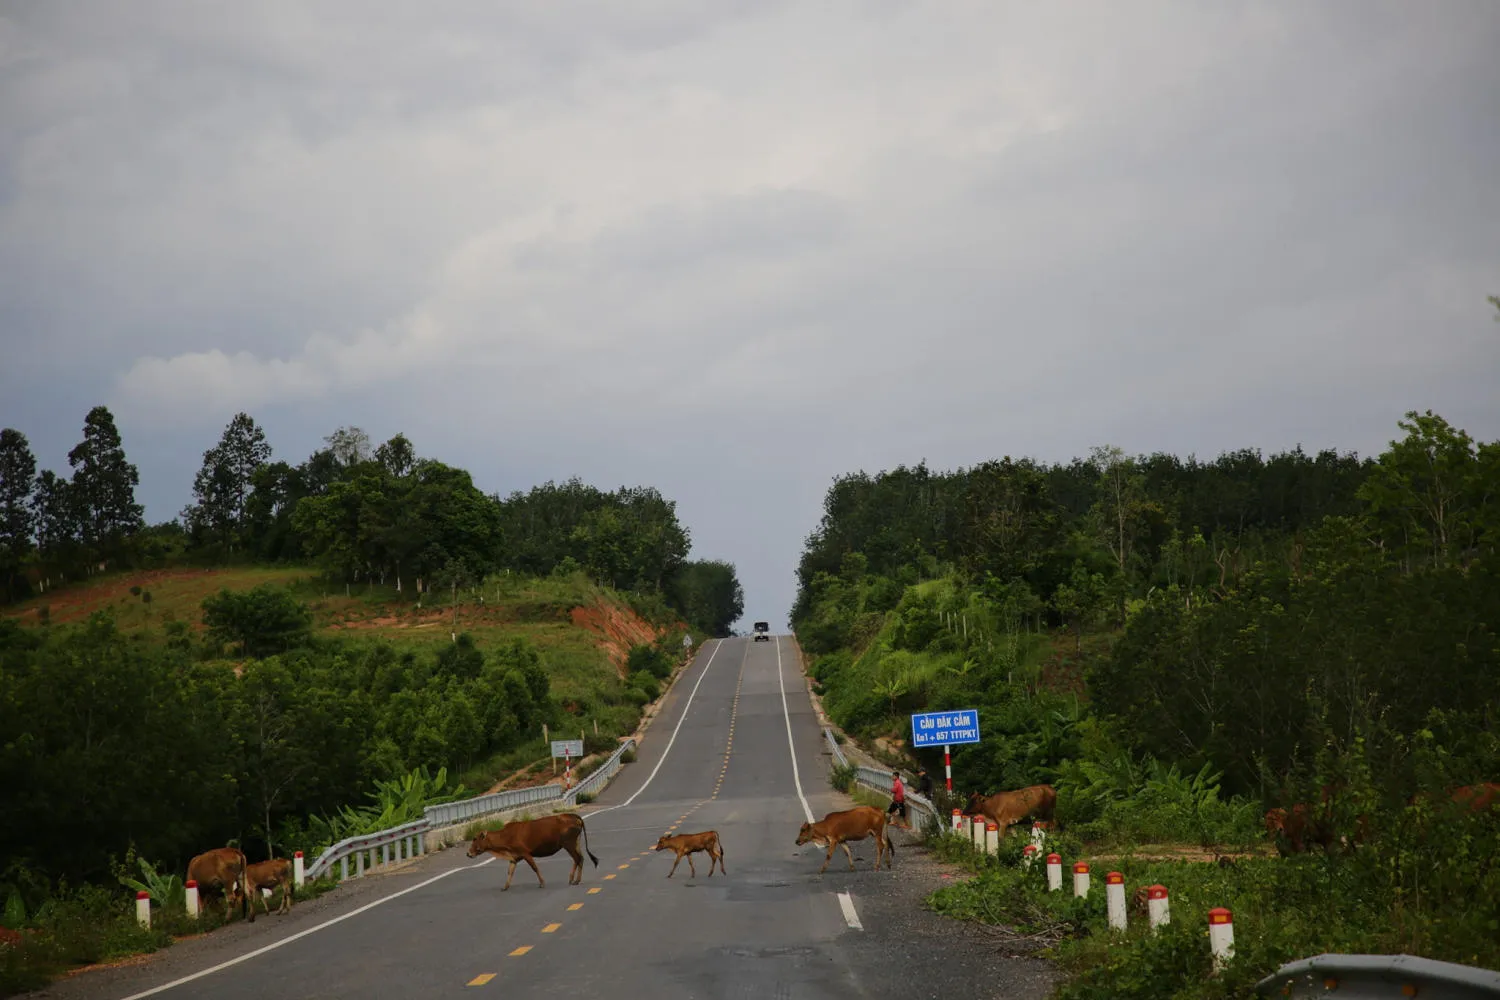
940 729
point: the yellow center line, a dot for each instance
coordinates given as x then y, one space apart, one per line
623 867
520 951
550 928
481 980
579 906
591 892
610 875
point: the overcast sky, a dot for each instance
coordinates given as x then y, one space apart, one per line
734 250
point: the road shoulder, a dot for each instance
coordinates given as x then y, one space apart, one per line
930 954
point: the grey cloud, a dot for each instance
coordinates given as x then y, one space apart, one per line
736 251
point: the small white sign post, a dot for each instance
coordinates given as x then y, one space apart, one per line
567 750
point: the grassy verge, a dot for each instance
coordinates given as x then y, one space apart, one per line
96 926
1284 909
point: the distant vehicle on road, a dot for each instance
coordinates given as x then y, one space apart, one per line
762 631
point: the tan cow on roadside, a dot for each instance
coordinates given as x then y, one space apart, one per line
222 870
838 828
269 875
685 845
526 840
1008 808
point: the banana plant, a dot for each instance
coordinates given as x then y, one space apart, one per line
396 801
165 889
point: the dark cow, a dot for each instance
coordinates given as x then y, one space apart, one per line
1296 829
1008 808
271 874
838 828
688 844
222 870
526 840
1293 829
1477 797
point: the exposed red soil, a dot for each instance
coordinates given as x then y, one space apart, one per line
76 600
619 628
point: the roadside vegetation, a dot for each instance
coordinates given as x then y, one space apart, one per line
1179 646
308 652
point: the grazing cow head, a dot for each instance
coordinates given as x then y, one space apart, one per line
476 846
805 834
661 842
975 802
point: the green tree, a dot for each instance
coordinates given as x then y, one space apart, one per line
1120 515
1082 600
17 516
55 515
397 456
1424 492
226 481
708 594
276 755
263 621
103 486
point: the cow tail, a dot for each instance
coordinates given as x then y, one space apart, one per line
247 909
585 828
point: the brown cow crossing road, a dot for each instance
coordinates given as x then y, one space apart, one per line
772 927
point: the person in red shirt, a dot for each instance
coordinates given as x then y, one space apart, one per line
898 799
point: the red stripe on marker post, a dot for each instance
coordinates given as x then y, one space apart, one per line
1157 906
1114 898
1080 878
1221 936
1054 872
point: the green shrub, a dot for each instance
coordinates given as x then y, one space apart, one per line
842 777
643 681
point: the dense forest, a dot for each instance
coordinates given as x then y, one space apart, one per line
247 723
1247 610
1179 646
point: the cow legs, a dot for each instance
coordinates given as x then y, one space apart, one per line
575 874
722 869
831 848
675 862
508 876
692 868
541 882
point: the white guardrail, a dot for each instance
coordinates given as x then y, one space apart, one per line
879 780
410 839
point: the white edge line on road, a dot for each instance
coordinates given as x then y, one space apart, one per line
846 903
796 774
301 934
718 643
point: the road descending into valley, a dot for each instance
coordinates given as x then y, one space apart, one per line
736 748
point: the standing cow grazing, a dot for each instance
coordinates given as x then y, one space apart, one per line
688 844
838 828
1008 808
525 840
223 870
277 872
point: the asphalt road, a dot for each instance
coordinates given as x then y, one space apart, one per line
736 749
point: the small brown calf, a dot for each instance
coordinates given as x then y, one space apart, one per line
688 844
269 875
